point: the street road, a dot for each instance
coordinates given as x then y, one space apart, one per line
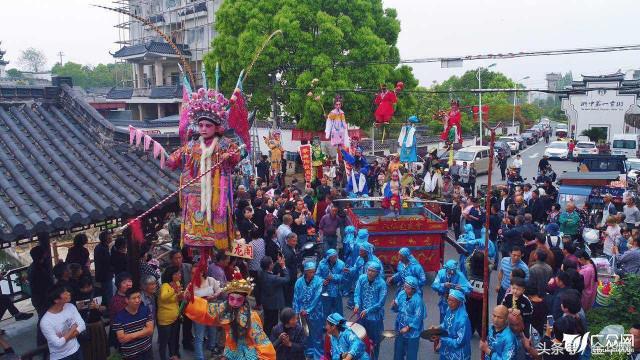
530 157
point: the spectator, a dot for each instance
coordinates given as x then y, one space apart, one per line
301 220
608 209
271 245
209 289
329 228
589 273
148 294
262 169
537 207
168 308
284 229
476 217
292 262
473 174
119 256
95 345
562 282
242 194
273 286
323 190
246 225
629 261
7 304
258 245
569 221
133 326
78 253
288 337
61 325
520 300
144 267
185 275
540 308
507 265
308 199
631 213
541 244
102 263
540 272
570 305
635 331
568 251
40 281
216 269
118 302
62 274
259 215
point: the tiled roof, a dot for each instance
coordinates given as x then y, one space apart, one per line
155 47
166 92
610 77
120 93
60 168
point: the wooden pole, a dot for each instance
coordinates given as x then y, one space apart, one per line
485 297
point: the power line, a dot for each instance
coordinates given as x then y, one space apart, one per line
474 91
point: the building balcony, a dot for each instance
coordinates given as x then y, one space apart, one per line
169 92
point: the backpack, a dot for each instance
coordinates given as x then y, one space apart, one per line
554 244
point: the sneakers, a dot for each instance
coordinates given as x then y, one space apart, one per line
23 316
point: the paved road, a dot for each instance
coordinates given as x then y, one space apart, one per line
530 158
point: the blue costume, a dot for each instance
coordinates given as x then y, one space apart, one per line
359 267
332 294
354 271
503 344
449 274
470 243
413 268
456 345
306 296
411 312
407 141
369 298
346 342
348 242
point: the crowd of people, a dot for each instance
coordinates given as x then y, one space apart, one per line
544 269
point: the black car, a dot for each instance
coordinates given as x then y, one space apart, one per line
529 138
535 133
502 146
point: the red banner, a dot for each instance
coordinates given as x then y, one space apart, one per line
305 156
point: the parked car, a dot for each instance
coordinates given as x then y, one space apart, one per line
529 138
535 133
476 155
520 140
514 146
585 148
626 144
501 146
557 150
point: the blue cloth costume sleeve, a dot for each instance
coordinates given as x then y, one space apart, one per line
381 286
317 291
465 286
438 282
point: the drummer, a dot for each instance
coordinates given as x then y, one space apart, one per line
410 321
456 342
448 278
345 344
307 305
407 266
330 270
370 296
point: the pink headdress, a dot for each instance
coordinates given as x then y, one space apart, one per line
210 106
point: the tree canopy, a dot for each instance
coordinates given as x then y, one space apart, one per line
344 44
32 59
88 76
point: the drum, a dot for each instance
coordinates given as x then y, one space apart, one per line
358 329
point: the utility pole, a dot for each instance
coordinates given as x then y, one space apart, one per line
60 53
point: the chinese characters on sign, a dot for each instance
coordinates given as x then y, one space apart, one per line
602 105
241 250
305 156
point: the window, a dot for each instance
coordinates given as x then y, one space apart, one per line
624 144
464 155
485 154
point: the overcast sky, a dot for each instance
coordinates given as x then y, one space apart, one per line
430 28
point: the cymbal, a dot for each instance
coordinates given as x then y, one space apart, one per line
389 334
427 334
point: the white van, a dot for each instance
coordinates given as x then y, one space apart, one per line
626 144
478 155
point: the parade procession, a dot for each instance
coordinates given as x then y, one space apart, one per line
286 180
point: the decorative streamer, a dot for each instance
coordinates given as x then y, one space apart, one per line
255 57
217 76
147 142
132 134
139 136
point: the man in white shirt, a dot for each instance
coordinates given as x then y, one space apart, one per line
517 163
61 325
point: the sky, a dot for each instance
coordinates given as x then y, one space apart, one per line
430 28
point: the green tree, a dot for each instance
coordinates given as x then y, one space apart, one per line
341 43
595 134
32 59
88 76
14 74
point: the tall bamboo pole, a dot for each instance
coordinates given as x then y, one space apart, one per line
485 297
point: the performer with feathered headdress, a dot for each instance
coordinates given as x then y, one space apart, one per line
245 338
453 126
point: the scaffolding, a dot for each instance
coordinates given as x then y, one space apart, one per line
183 20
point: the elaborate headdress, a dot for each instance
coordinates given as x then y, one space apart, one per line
239 285
209 105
